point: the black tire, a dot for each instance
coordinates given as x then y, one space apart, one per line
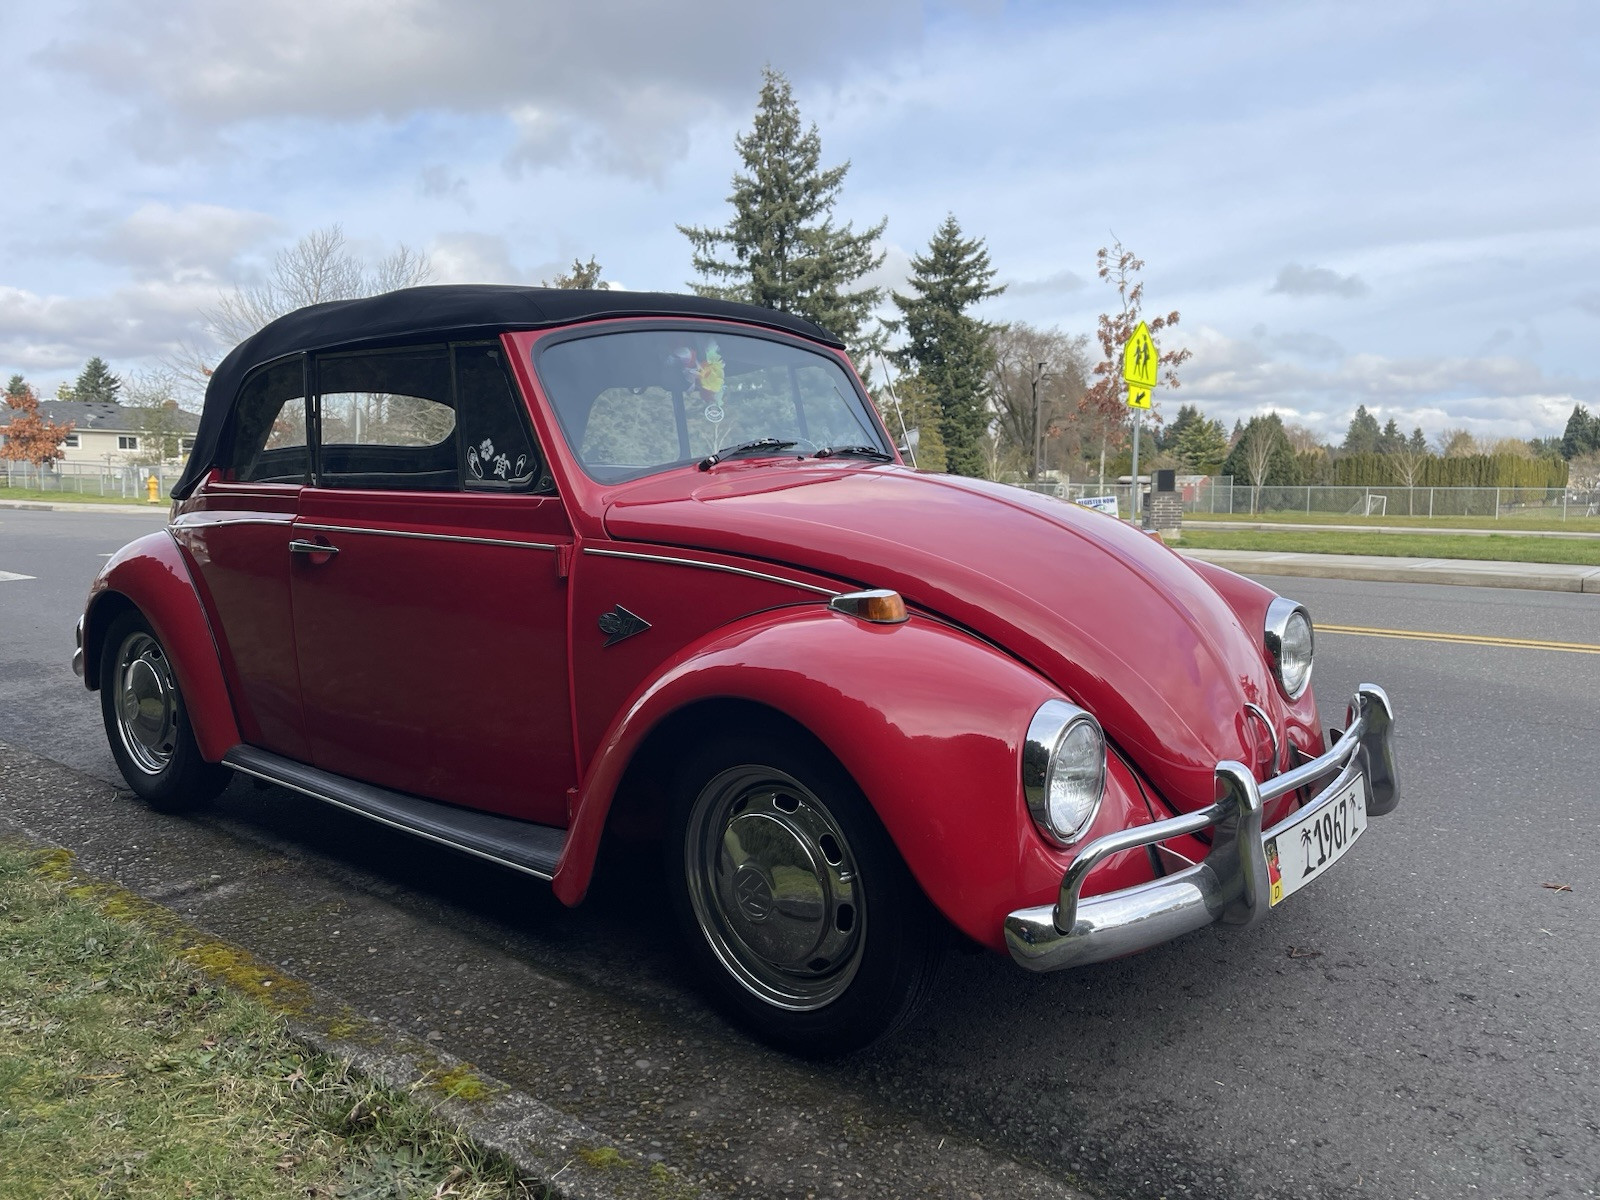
817 940
147 722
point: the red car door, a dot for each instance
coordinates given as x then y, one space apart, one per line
430 604
234 539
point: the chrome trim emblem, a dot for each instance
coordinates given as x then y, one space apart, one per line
619 623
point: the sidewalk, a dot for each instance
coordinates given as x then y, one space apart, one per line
1544 577
1307 527
70 506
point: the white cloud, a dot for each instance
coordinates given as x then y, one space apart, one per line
621 79
163 240
1295 280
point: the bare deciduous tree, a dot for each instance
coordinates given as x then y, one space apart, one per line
1259 441
317 268
1408 460
1023 417
1456 443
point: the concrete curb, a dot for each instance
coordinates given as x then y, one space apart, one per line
1461 572
567 1158
67 506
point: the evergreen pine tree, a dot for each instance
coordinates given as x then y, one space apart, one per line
1582 435
1200 445
949 350
18 386
782 249
1363 435
1391 439
96 383
1419 441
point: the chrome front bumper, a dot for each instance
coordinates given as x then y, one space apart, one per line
1231 885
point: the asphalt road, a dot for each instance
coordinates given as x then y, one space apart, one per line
1423 1022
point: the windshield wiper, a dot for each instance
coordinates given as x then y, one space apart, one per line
712 460
855 452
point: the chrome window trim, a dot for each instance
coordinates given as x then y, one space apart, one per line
191 522
710 566
1277 622
431 537
1046 731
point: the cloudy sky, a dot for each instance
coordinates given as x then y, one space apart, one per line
1385 203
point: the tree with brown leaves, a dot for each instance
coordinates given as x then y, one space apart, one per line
1104 404
28 437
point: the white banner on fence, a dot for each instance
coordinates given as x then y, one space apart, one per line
1105 504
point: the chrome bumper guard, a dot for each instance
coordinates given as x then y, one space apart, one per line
77 655
1230 886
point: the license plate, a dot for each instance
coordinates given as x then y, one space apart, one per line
1304 850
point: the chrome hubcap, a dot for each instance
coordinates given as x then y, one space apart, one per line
775 888
146 703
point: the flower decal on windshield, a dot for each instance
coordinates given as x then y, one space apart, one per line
705 375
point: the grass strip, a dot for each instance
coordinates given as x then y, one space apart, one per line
126 1071
1543 519
1576 552
54 496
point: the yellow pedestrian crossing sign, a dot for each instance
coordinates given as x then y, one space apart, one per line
1140 362
1138 396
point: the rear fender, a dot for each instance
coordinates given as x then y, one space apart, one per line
927 720
150 575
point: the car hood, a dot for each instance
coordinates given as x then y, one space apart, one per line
1116 620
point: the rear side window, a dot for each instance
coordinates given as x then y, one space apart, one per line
387 419
424 418
267 442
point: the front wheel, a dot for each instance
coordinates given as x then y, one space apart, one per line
803 920
147 724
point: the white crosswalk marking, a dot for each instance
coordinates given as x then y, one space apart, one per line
7 576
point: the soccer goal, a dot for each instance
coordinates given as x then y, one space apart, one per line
1369 506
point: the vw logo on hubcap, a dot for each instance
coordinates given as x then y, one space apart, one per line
753 893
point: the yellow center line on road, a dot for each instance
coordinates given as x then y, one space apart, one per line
1465 639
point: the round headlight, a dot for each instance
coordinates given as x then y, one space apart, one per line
1063 770
1290 643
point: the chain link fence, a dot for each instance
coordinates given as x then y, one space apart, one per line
1223 495
116 481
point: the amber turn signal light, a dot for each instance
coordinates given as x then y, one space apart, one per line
880 606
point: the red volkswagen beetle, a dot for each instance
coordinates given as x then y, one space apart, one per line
513 568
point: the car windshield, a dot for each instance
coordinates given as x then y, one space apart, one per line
639 401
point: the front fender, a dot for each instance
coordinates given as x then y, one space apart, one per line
149 574
928 721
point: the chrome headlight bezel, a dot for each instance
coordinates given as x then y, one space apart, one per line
1056 727
1280 637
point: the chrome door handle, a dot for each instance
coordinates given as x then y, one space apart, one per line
301 547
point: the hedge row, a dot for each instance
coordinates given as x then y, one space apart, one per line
1475 470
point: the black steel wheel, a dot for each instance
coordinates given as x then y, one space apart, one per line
147 724
798 911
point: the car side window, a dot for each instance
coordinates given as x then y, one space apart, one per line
267 442
499 453
387 419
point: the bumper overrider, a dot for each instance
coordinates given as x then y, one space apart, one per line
77 655
1231 886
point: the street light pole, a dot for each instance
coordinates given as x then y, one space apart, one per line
1038 422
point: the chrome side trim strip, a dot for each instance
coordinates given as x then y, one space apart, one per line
432 537
1232 884
193 521
403 828
709 566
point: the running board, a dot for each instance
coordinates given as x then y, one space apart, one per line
520 845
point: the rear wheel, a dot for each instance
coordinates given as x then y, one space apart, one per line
147 724
792 899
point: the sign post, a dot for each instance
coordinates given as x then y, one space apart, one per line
1140 363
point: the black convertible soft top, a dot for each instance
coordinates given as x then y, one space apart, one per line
438 312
